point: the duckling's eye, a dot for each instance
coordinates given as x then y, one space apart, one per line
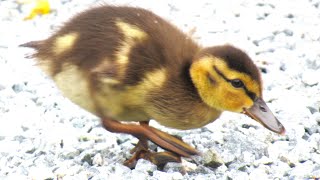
237 83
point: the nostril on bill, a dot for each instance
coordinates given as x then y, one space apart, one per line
262 108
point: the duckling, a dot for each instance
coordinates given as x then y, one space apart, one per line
126 64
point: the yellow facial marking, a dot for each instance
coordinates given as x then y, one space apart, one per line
74 85
220 94
64 43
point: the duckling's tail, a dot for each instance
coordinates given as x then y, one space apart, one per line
32 44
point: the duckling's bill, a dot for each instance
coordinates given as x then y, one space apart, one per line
261 113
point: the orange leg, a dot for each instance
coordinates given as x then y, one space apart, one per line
175 147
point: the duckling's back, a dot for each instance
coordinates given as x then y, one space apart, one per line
108 59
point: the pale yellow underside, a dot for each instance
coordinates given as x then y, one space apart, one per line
74 85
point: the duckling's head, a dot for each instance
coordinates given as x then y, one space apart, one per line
228 80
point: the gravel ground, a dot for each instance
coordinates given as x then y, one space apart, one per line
44 136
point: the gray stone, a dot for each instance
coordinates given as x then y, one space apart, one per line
228 157
300 153
237 175
173 167
280 169
263 160
258 174
315 173
145 166
97 160
311 77
87 158
137 175
212 159
303 170
278 149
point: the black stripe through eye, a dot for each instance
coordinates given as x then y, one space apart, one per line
237 83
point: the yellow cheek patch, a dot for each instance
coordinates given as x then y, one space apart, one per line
64 43
235 100
199 72
132 36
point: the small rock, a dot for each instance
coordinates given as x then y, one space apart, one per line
295 132
310 77
312 109
302 170
188 166
227 157
212 159
277 149
315 157
145 166
316 173
263 160
165 175
300 152
40 172
280 170
18 87
87 159
137 175
247 157
258 174
70 153
97 160
120 169
176 176
288 32
238 175
2 87
173 167
311 126
91 172
221 169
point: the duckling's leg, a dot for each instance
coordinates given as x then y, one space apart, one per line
144 132
141 151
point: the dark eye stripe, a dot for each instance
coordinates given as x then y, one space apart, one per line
251 94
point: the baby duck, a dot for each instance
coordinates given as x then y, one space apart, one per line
126 64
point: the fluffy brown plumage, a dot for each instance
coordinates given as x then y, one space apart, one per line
128 64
